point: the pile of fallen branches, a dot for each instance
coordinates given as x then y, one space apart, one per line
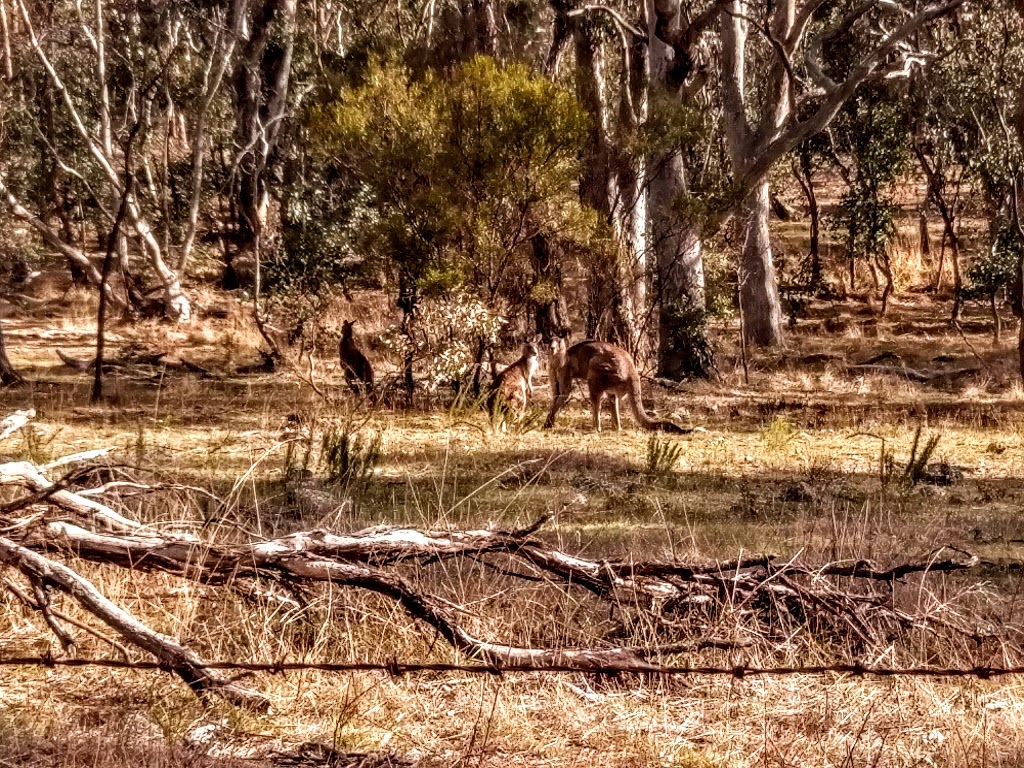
758 602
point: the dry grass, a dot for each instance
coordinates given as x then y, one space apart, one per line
788 463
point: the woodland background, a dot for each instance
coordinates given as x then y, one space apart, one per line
801 217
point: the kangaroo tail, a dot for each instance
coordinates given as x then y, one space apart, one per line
654 425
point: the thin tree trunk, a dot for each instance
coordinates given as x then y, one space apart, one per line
926 239
597 183
805 177
485 27
261 86
997 324
549 313
213 76
631 212
684 349
108 258
5 32
935 192
759 291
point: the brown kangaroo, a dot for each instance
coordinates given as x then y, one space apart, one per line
514 385
608 370
358 371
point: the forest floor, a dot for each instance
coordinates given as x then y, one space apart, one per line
788 460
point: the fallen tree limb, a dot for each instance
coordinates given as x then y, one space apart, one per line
25 474
724 605
220 565
185 663
913 374
15 421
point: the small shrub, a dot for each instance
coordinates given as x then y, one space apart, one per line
662 455
917 464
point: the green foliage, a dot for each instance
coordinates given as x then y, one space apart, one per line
687 330
457 172
350 457
997 269
448 335
663 455
873 133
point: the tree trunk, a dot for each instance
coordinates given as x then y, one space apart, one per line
926 240
261 83
631 214
684 349
485 27
804 173
225 42
8 376
597 184
759 291
548 305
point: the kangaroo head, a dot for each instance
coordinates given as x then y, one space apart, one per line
557 347
346 328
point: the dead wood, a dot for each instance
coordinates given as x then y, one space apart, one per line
913 374
184 662
143 365
724 604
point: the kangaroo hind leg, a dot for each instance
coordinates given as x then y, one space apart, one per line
596 399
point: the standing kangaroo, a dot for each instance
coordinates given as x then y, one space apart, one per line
608 370
514 385
358 371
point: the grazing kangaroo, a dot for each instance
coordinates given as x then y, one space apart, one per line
514 385
358 371
608 370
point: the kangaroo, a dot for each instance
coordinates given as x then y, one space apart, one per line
514 385
358 371
608 370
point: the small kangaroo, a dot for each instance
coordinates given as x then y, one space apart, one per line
514 385
608 370
358 371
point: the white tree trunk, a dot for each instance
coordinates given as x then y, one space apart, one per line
759 291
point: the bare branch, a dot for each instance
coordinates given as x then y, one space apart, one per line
184 662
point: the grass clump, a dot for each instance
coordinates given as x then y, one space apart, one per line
663 456
777 434
350 457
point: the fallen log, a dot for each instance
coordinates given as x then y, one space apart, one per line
913 374
744 600
183 661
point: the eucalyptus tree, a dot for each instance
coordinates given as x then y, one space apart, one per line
780 86
108 68
964 109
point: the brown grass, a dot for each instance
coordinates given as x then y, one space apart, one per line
788 463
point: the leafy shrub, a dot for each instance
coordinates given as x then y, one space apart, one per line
447 336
